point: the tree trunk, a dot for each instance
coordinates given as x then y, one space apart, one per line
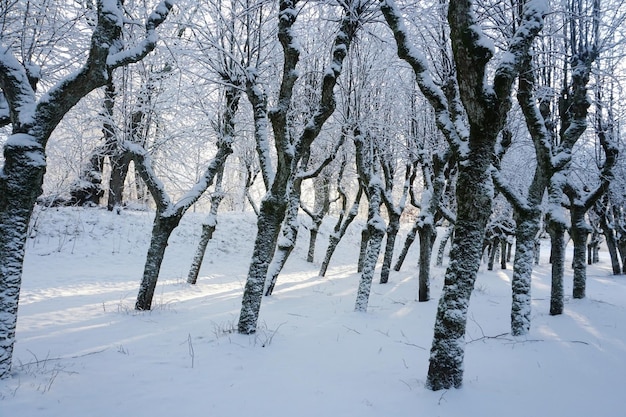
526 230
442 245
119 169
287 240
340 231
426 233
392 232
557 254
365 237
161 230
580 231
271 215
375 233
206 236
505 253
313 232
207 228
494 249
474 199
24 167
611 244
410 238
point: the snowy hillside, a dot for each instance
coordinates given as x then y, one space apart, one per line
83 351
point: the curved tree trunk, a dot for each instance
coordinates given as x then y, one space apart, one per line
365 237
442 245
410 238
208 228
609 236
271 215
162 229
392 232
287 240
340 231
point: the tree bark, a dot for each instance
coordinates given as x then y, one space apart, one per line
557 254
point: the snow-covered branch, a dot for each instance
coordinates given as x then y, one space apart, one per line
138 52
513 197
433 93
145 169
509 67
18 101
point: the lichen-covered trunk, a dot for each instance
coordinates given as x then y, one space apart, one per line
557 256
392 232
474 202
426 234
161 230
579 232
313 232
410 238
528 225
375 233
287 240
24 168
205 238
271 215
442 245
365 237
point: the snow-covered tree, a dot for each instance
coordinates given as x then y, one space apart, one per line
292 149
471 122
32 121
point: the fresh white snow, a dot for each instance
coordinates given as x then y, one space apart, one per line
83 351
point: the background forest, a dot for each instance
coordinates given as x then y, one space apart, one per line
485 132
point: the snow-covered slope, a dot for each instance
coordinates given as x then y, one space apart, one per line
83 351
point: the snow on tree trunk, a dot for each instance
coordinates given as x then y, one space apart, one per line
376 233
208 228
365 237
410 238
484 108
474 199
392 232
207 234
162 228
580 232
557 256
527 228
611 244
287 240
23 173
313 232
271 215
442 245
427 233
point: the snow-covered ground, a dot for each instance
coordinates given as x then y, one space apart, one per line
83 351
